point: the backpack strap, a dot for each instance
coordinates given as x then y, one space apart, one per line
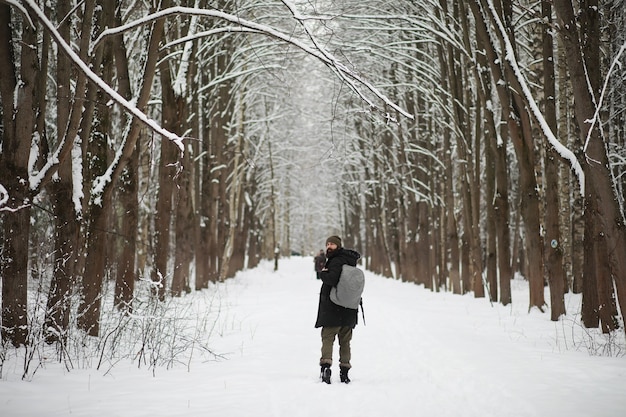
362 310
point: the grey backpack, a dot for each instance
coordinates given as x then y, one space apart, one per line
347 293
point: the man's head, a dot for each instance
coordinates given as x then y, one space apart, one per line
333 243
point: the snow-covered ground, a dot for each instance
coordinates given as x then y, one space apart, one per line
420 354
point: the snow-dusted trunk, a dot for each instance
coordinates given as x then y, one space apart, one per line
176 186
166 173
102 191
127 192
271 230
491 247
605 232
496 199
232 255
501 203
406 223
184 222
220 108
240 184
99 209
18 92
459 82
98 215
377 211
66 230
129 223
521 134
515 112
553 249
163 217
452 231
254 227
423 173
203 201
572 214
616 99
451 251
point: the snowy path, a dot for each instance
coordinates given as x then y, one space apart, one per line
420 354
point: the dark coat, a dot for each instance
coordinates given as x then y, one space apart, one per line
330 314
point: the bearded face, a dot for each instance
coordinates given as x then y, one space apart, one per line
330 249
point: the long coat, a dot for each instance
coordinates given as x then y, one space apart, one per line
330 314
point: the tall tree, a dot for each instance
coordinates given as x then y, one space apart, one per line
102 191
518 120
19 117
553 249
604 222
62 192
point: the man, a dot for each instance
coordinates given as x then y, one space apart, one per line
335 320
320 262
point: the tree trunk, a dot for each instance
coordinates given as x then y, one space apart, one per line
572 256
19 125
604 222
184 222
178 188
100 207
501 205
128 198
449 208
61 193
519 129
491 263
469 182
163 218
204 201
94 265
125 278
553 249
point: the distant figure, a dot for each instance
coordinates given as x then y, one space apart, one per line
335 320
320 262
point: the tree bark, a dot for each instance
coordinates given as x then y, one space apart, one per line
126 271
449 208
94 271
62 191
100 209
19 125
604 222
520 132
553 248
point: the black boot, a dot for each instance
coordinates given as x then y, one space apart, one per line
325 373
343 374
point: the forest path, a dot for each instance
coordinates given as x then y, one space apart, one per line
420 354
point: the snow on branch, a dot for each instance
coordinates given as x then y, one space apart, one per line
4 199
180 83
596 115
207 33
4 196
556 144
21 8
93 77
317 51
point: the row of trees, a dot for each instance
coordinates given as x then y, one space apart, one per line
484 78
181 141
84 88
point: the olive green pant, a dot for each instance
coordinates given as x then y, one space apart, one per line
328 339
